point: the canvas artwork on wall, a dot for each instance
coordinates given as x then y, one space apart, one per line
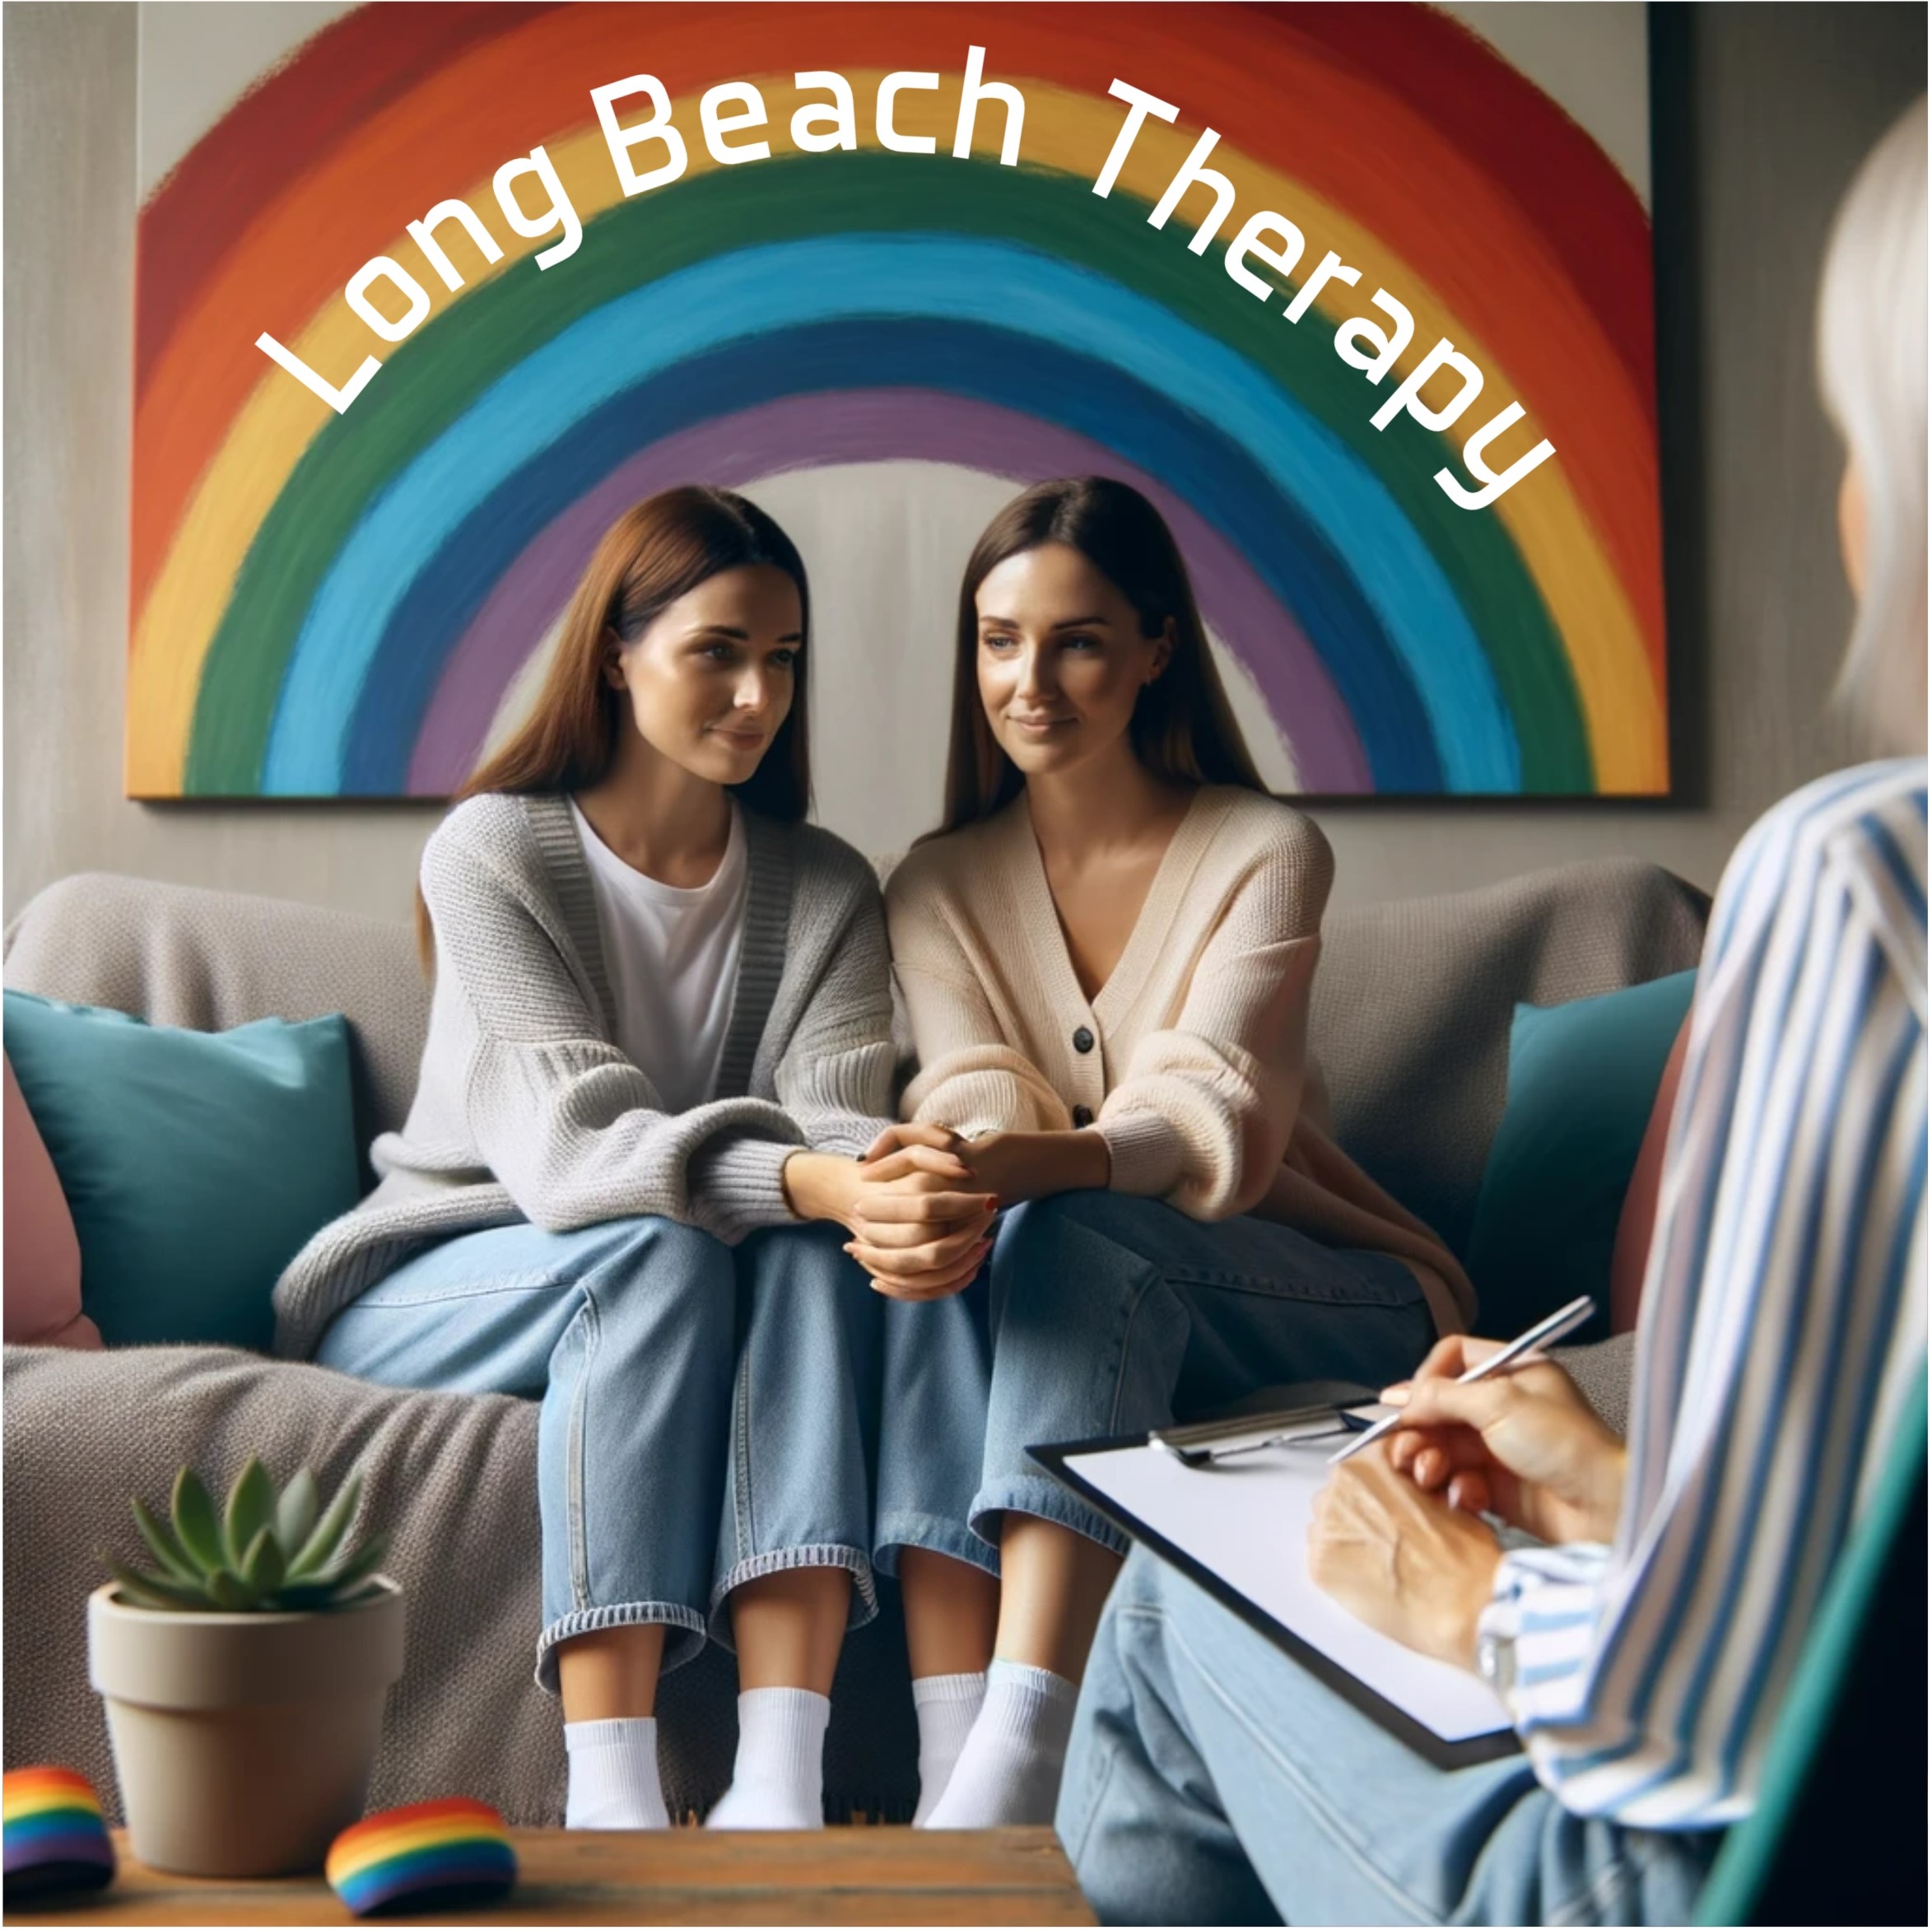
1361 296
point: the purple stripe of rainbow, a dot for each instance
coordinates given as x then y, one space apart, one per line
55 1836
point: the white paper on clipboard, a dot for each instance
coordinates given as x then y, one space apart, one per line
1246 1521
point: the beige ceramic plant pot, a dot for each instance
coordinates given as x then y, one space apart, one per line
243 1743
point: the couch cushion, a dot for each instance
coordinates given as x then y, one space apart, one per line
43 1253
177 955
196 1164
1583 1080
1414 1002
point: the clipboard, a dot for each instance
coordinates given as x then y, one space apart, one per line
1488 1746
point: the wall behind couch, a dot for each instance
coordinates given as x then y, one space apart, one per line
1761 114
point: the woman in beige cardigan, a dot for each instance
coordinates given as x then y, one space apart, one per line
1106 956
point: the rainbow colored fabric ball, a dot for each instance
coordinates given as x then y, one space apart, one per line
55 1836
426 1855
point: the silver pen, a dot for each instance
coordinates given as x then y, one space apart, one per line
1547 1331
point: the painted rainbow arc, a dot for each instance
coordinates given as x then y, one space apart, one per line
329 605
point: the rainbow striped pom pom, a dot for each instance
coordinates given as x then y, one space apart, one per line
426 1855
55 1835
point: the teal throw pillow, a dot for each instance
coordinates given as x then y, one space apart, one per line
195 1164
1583 1079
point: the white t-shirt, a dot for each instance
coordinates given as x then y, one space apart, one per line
671 955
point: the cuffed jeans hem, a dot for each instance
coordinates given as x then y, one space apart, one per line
684 1638
1049 1500
938 1535
839 1555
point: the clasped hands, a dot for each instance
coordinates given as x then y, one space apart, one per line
919 1206
1396 1535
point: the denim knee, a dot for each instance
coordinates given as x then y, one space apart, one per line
639 1382
804 1419
675 1246
1125 1216
661 1270
935 1386
1035 1269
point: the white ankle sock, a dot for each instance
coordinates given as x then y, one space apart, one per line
613 1780
778 1782
946 1706
1009 1771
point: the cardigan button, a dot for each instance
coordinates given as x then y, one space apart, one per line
1083 1041
1083 1116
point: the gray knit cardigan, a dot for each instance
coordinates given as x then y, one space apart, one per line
526 1109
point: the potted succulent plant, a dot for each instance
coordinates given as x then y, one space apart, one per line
244 1674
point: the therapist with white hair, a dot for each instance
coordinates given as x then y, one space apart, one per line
1643 1644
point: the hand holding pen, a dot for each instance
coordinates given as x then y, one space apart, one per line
1547 1332
1520 1442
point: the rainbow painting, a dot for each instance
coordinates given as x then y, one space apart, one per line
880 338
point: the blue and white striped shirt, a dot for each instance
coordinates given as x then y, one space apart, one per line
1783 1324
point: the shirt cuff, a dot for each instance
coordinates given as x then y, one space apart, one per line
1147 1152
737 1185
1545 1607
850 1138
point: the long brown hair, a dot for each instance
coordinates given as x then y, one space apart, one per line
658 551
1182 728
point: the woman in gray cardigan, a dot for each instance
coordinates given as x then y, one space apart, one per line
660 1037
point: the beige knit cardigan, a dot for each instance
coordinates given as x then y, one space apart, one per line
1191 1061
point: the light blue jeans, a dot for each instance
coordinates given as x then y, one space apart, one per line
708 1415
1211 1780
1099 1313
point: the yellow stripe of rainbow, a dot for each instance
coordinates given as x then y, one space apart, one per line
31 1792
409 1830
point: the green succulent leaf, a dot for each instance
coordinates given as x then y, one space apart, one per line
251 1508
260 1552
196 1523
264 1565
328 1533
149 1591
160 1538
295 1512
227 1589
356 1567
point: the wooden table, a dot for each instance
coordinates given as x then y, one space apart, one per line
848 1875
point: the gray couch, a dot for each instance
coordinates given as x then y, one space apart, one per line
1411 1022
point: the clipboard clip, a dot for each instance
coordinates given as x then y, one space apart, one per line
1206 1444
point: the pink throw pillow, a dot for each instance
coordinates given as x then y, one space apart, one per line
1631 1256
42 1254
